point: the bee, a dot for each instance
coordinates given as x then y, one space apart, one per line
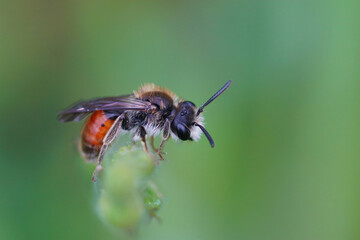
148 112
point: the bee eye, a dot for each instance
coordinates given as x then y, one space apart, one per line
183 132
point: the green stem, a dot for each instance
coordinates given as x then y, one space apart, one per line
126 197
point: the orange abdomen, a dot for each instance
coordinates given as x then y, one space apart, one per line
94 131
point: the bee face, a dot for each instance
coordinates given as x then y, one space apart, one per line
184 120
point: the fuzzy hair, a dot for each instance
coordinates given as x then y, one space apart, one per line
196 131
150 87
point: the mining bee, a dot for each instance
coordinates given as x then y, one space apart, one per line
146 113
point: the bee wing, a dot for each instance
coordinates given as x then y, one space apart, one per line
80 110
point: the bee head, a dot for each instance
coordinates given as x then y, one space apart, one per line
183 120
188 121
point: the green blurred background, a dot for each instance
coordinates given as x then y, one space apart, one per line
286 161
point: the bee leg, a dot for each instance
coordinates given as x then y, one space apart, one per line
142 134
159 152
108 139
152 144
165 137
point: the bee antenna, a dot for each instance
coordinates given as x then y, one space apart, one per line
201 109
206 134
